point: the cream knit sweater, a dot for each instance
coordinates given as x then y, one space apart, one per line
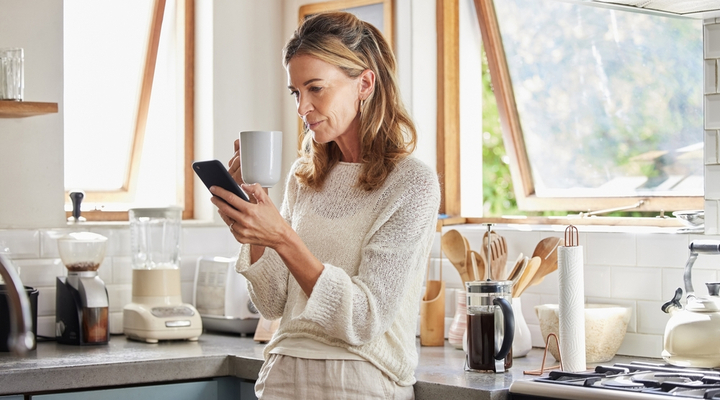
374 246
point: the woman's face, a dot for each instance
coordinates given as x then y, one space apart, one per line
327 99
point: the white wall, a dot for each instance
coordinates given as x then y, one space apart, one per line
31 149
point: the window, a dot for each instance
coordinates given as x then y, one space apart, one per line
600 108
128 105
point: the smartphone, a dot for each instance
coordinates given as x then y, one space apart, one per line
214 173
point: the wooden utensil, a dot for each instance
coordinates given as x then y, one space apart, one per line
546 249
498 254
516 276
516 267
432 311
476 264
524 281
455 247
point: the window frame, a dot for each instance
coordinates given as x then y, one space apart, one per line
513 136
127 192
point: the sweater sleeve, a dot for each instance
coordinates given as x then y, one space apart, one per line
359 308
267 278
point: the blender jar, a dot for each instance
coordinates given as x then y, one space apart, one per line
155 237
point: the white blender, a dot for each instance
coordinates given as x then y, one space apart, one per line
157 311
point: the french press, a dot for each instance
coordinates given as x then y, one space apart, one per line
490 323
490 326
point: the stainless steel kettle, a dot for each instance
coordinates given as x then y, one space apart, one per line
692 335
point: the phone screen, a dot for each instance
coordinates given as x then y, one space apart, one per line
214 173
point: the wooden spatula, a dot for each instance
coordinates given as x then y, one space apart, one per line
546 249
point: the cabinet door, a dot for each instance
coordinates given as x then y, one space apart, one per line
175 391
13 397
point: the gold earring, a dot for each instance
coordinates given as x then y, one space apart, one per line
362 104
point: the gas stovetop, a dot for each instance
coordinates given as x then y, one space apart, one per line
636 380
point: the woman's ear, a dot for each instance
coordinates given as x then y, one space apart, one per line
366 84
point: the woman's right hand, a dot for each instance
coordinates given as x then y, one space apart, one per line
234 164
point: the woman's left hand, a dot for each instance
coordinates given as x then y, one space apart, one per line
257 223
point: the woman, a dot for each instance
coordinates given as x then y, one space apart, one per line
343 262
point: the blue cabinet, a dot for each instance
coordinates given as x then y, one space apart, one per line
224 388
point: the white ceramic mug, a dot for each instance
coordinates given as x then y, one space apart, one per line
261 157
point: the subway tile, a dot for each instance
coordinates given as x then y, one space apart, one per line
46 326
712 175
436 245
188 265
18 243
209 241
187 289
641 345
450 302
115 323
633 283
46 301
536 337
48 242
119 244
597 281
105 272
711 40
710 76
712 111
651 318
672 279
610 249
632 323
549 285
712 217
122 270
119 296
41 272
654 250
529 301
711 147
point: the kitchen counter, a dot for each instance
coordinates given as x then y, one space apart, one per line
57 367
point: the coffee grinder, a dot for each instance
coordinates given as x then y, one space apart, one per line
157 311
81 299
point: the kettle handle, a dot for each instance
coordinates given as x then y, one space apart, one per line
509 327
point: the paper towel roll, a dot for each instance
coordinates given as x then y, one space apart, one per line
571 308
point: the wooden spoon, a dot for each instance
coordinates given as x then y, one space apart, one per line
476 265
546 249
527 276
518 264
454 246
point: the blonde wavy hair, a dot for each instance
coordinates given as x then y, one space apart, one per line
387 134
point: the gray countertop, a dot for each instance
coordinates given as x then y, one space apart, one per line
58 367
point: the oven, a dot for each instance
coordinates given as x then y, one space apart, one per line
634 380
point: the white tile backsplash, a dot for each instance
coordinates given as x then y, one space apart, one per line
711 40
712 174
710 76
638 270
634 283
610 249
712 111
660 250
711 147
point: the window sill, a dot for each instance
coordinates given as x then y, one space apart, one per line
22 109
588 224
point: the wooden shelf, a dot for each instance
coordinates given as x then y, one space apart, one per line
22 109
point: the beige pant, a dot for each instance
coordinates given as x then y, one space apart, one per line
285 377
